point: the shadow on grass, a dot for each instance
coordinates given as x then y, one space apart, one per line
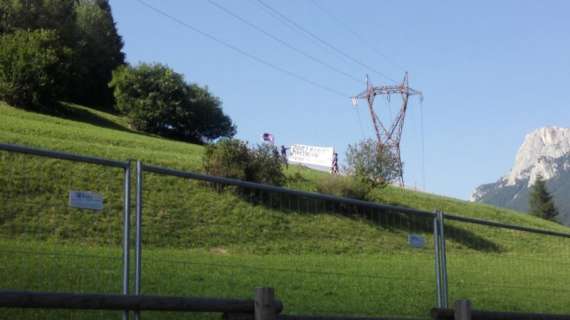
87 116
391 220
80 114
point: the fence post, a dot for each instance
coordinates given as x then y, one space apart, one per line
443 261
126 232
264 304
436 259
462 310
138 232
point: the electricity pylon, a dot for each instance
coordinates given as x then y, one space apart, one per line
389 136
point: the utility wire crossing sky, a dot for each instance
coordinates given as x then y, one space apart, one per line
290 68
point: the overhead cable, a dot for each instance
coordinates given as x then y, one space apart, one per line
294 25
284 43
243 52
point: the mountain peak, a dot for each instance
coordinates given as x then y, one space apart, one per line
536 154
544 152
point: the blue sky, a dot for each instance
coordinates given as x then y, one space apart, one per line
491 71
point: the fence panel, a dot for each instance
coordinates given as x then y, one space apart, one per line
527 270
322 255
46 245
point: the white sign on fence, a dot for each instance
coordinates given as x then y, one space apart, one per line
85 200
312 155
416 241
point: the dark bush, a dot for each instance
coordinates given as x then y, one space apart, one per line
265 166
228 158
232 158
344 186
30 68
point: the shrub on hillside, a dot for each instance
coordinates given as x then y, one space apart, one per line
232 158
30 68
157 100
369 162
265 165
344 186
228 158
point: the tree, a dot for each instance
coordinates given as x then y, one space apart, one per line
210 121
368 161
86 29
31 68
157 100
150 95
97 52
541 203
56 15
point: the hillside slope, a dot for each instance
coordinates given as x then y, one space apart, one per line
206 240
96 133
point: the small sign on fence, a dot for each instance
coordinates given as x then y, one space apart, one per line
86 200
416 241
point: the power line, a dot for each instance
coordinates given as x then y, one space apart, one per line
284 43
357 35
360 122
242 52
423 145
287 21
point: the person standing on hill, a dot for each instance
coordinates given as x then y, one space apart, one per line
284 156
334 168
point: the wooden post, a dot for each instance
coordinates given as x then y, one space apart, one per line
462 310
264 304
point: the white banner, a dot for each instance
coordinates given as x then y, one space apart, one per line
318 156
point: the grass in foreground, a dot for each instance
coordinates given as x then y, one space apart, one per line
199 241
370 284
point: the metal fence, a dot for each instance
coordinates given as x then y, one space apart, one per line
527 268
202 236
211 236
47 245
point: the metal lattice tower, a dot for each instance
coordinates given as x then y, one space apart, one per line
389 136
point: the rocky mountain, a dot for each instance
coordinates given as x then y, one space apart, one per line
544 152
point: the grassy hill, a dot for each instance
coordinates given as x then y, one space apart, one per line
204 240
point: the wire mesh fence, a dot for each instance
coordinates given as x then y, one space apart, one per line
214 237
205 238
527 270
47 245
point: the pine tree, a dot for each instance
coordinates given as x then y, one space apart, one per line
541 203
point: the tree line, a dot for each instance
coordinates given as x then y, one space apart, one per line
70 50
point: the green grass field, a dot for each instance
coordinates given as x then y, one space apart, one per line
205 241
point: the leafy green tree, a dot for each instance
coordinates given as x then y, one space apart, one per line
541 203
56 15
86 29
97 52
31 68
157 100
210 122
371 163
150 95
